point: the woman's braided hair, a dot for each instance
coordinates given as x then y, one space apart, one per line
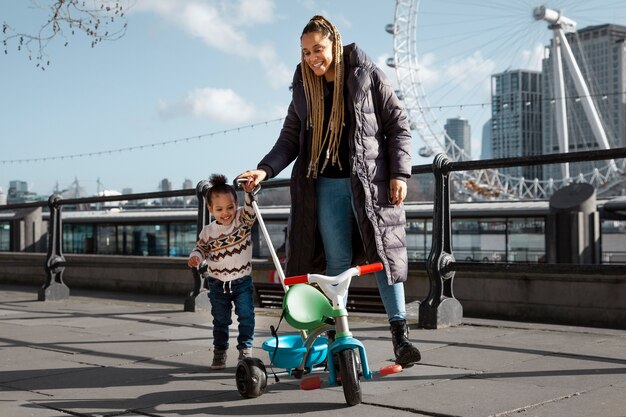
314 95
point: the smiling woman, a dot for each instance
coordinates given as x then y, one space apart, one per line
348 136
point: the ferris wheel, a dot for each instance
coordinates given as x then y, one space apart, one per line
446 53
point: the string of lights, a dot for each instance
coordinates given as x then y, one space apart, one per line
551 100
603 96
137 147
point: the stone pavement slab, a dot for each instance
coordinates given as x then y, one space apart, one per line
110 354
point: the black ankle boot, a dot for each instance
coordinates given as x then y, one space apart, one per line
406 354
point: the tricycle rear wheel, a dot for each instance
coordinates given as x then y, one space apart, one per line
349 372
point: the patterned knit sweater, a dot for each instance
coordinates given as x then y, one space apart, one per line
228 249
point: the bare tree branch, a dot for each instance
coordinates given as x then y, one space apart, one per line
100 20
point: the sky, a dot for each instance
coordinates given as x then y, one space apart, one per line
197 87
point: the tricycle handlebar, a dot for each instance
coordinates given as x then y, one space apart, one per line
366 269
359 270
297 279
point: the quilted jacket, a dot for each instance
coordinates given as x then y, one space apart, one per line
380 149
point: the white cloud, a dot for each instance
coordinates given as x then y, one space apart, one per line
279 75
532 58
221 105
206 23
472 74
466 72
381 62
256 11
427 74
222 25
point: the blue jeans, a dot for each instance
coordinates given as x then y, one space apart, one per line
222 296
335 214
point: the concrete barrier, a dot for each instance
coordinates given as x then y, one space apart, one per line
579 300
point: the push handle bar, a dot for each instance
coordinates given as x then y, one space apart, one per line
359 270
238 182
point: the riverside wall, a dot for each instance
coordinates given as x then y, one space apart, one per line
578 300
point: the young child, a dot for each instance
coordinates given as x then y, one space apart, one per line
226 246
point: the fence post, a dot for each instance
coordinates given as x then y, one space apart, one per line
54 289
198 299
440 308
573 234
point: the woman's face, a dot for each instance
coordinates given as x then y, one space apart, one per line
317 51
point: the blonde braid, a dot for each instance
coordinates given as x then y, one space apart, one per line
314 96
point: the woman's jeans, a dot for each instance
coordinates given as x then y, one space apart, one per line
335 214
222 296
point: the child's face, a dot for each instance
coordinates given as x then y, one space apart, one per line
223 207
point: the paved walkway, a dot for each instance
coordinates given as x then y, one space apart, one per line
123 355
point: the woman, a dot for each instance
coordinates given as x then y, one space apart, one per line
350 139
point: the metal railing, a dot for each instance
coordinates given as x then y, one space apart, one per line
439 308
54 288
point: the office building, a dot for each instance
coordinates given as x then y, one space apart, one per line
485 144
188 184
458 130
18 193
600 54
516 119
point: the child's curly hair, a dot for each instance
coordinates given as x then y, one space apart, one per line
219 185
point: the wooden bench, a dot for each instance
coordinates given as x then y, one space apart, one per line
360 299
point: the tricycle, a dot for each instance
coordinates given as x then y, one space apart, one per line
315 305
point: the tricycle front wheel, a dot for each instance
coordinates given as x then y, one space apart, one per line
251 377
349 372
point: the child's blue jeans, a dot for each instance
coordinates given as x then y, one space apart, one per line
223 295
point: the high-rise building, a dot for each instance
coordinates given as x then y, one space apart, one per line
166 185
18 186
516 105
600 52
485 143
18 192
187 184
458 129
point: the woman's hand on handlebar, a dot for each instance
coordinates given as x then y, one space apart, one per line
254 177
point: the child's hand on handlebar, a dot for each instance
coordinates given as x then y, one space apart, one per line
248 186
194 262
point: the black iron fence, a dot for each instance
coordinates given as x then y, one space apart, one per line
439 308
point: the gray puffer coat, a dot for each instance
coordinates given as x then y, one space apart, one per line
380 149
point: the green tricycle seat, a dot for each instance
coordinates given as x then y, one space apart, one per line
306 307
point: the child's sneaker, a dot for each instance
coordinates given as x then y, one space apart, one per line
244 353
219 359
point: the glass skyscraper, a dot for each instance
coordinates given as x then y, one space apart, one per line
516 105
600 54
458 129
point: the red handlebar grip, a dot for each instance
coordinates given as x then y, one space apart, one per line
366 269
298 279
